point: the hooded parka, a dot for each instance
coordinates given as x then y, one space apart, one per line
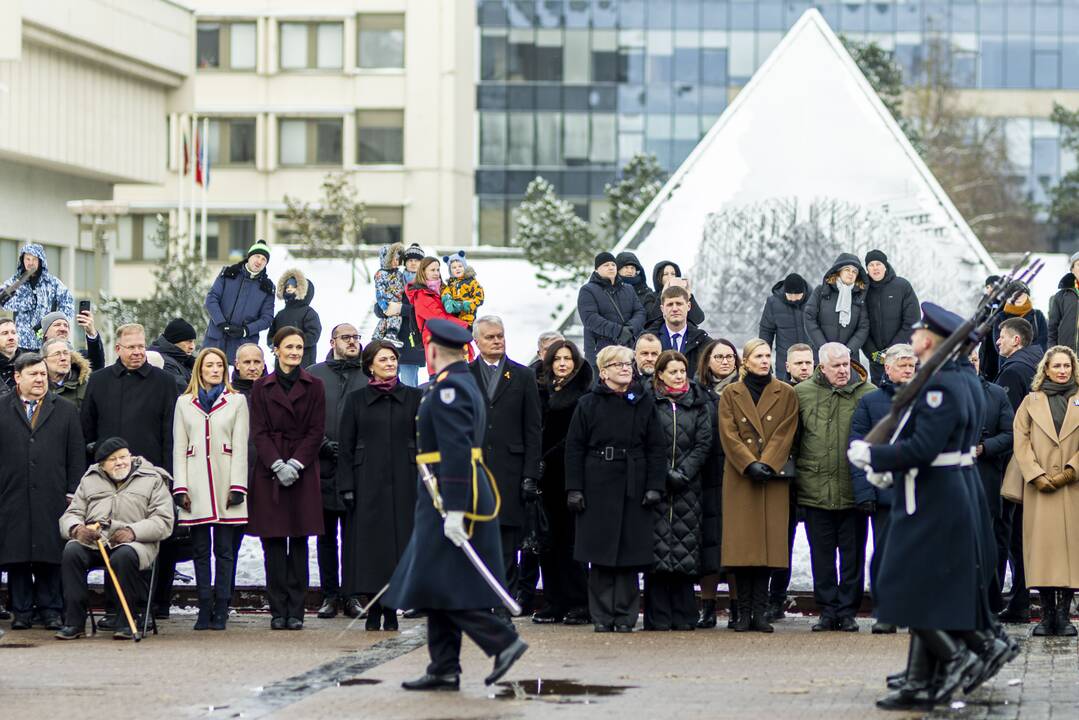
37 297
73 388
608 312
782 325
695 314
821 317
893 309
638 282
298 313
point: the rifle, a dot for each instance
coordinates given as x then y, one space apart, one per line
958 344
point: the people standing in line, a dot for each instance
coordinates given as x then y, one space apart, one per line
632 273
210 435
288 418
667 274
900 362
425 296
42 293
758 419
512 442
783 318
43 459
376 477
341 375
835 524
684 411
836 310
1063 323
1042 476
411 341
718 368
615 475
176 345
1021 306
57 325
674 330
567 378
240 302
645 354
297 290
68 370
610 310
892 307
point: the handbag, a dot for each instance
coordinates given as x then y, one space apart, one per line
537 529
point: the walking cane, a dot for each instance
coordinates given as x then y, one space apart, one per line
116 584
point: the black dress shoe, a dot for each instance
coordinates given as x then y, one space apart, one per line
759 624
548 616
294 624
600 627
896 680
278 623
21 623
623 628
353 607
53 622
4 614
434 682
504 661
69 632
577 616
373 621
880 628
389 620
903 699
825 624
328 609
109 622
847 624
961 669
707 617
124 633
684 627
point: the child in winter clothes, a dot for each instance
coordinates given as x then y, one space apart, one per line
389 292
297 291
463 294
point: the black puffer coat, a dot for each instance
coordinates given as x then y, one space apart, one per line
782 325
1064 314
639 283
695 315
558 407
298 313
893 309
178 363
606 310
822 320
687 427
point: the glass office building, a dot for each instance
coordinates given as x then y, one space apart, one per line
571 89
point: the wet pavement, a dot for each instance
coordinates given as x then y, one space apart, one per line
321 672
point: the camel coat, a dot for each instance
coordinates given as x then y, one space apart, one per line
755 514
1050 520
210 458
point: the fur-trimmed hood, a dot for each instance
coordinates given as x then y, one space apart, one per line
303 287
388 251
80 370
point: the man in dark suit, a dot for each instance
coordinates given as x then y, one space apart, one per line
512 441
675 331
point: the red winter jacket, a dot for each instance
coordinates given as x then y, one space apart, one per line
428 306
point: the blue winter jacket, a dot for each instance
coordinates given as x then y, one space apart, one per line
606 310
870 409
36 298
236 298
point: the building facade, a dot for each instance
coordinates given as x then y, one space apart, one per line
572 89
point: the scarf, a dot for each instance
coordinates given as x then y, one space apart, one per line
842 303
1058 395
719 385
409 276
434 285
1019 310
663 388
385 386
284 379
207 397
756 385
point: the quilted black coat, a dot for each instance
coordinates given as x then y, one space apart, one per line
686 421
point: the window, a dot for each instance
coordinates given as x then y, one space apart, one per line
385 226
380 41
229 236
492 138
310 141
136 239
232 141
311 46
9 258
380 137
226 45
85 272
492 221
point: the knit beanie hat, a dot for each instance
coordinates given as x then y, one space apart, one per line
458 256
178 330
875 256
414 252
603 257
794 284
259 248
50 318
107 447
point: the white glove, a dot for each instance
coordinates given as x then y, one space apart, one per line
858 454
453 527
880 480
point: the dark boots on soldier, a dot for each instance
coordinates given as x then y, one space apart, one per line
914 690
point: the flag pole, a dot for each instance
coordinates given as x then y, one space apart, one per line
194 165
204 158
180 132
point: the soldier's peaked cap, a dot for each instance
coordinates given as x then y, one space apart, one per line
937 319
448 334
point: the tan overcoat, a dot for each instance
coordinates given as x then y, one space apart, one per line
1050 520
755 514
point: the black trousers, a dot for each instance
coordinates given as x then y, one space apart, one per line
668 601
882 522
78 560
833 532
444 628
528 574
221 541
286 575
329 557
614 595
34 590
511 544
237 542
565 581
780 579
1009 532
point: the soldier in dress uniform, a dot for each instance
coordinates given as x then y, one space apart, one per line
929 578
434 575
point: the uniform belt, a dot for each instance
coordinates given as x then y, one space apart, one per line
970 457
429 458
949 459
610 453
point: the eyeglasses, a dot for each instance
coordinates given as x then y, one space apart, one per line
618 365
132 348
723 358
58 354
348 338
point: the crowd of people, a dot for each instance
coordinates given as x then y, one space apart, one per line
652 449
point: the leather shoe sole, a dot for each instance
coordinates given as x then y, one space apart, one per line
505 660
903 701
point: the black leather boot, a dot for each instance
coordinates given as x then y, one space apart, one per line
957 665
991 651
220 617
759 621
707 617
896 680
915 692
744 602
206 606
1047 625
1063 625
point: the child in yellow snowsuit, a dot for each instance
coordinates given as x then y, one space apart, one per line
462 294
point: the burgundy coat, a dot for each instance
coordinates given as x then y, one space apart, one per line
283 427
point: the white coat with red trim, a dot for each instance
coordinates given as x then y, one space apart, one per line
210 458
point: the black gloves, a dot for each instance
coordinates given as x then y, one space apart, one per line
651 498
236 331
529 490
235 498
625 337
348 499
328 449
575 501
868 507
183 500
760 472
677 480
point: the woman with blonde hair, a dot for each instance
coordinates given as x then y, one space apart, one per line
758 417
210 433
1042 477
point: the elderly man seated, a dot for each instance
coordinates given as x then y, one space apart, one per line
125 500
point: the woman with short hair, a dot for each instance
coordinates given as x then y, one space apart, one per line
209 462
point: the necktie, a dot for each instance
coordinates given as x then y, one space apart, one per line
674 341
30 405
